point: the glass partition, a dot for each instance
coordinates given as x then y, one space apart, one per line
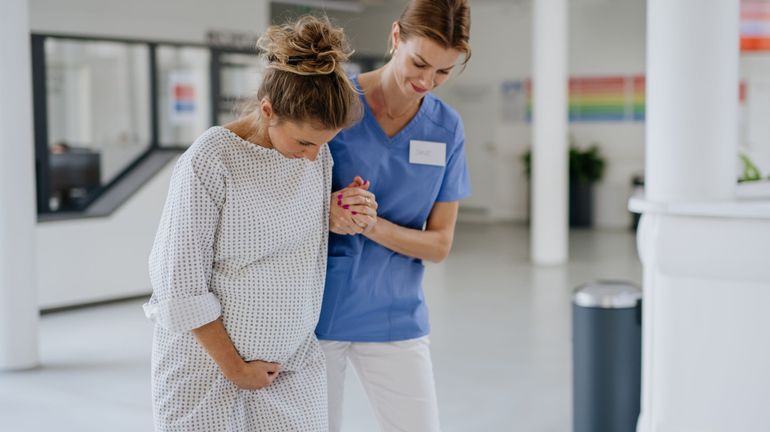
239 78
184 94
103 106
97 95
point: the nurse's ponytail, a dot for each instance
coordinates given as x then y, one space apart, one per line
304 79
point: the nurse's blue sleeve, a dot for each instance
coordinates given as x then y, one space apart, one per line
456 185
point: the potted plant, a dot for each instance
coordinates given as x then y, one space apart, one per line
751 182
750 171
586 167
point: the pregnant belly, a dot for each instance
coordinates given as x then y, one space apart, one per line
270 330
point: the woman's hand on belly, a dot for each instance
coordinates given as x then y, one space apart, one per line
254 375
247 375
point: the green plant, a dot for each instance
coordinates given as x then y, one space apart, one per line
750 171
585 165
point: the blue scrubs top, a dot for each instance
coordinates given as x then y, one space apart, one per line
373 294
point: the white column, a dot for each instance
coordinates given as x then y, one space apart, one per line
549 229
703 251
18 301
692 100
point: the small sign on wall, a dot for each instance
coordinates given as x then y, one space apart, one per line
515 98
182 86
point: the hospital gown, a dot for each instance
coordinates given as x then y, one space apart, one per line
243 236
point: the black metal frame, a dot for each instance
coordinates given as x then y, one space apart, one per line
40 112
154 114
214 81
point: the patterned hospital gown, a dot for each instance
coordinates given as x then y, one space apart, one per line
243 236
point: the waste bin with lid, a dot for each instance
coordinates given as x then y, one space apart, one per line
606 356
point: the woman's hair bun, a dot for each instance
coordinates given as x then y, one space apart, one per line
311 45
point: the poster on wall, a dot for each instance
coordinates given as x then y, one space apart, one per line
182 85
514 97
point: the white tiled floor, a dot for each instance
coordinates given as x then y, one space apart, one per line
500 341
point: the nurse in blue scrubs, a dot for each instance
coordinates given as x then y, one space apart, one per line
398 175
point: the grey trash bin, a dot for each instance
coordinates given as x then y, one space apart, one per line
606 356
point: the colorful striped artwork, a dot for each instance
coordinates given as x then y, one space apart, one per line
755 26
597 99
638 98
591 99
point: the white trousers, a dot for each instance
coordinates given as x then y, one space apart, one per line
397 378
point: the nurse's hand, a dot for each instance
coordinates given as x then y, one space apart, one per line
364 212
254 375
353 209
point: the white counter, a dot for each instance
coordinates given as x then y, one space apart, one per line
706 330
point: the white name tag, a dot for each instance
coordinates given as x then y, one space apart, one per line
427 153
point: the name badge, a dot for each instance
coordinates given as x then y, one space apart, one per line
427 153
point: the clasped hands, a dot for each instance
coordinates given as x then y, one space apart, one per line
353 210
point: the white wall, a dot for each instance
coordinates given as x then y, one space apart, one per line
88 260
174 20
501 40
609 38
96 259
366 31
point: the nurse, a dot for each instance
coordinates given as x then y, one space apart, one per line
398 176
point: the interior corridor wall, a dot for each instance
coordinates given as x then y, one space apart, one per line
104 258
606 38
174 20
90 260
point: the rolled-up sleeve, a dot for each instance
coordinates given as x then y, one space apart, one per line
183 252
184 314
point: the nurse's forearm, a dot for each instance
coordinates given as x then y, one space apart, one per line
216 342
429 245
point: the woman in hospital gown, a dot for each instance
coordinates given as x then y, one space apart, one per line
239 259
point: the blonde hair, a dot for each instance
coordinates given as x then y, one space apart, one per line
304 79
446 22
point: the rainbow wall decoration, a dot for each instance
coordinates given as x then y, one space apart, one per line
597 99
594 99
638 98
591 99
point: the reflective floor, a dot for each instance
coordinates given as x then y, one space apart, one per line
500 344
